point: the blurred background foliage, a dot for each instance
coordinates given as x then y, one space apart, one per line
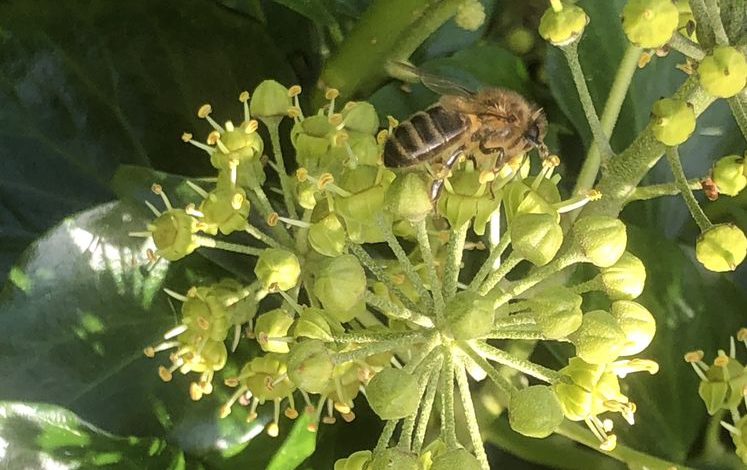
87 86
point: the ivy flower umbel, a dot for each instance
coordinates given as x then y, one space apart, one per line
336 319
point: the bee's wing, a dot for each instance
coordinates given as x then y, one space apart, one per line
443 86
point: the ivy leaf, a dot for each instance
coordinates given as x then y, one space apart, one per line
479 65
87 85
76 317
44 436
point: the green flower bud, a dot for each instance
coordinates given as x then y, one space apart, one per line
724 389
393 394
723 73
368 185
395 459
270 100
673 121
225 210
364 148
312 138
205 312
310 366
455 459
469 315
650 23
625 279
270 329
264 377
470 15
599 339
315 323
728 174
534 411
536 237
602 239
740 438
173 233
360 116
340 285
519 198
563 27
637 324
409 197
279 268
306 192
585 388
210 356
520 40
465 197
327 236
721 248
557 312
356 461
239 147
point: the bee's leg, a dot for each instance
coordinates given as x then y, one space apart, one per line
438 182
500 155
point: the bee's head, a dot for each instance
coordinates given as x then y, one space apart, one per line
536 130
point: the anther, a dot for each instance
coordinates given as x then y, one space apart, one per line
251 126
272 219
295 90
331 93
694 356
302 174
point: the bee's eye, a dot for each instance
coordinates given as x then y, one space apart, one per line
532 134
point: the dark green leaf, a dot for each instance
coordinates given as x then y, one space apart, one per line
87 85
315 10
76 318
479 65
299 444
35 436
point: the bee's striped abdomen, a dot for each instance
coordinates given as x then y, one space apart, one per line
423 137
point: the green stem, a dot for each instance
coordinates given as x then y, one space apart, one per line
567 258
426 407
632 458
628 169
395 311
600 137
496 276
208 242
487 266
506 359
404 261
713 11
427 254
365 337
457 238
643 193
261 236
448 424
681 181
387 29
374 348
380 274
386 435
470 416
620 85
273 127
260 199
687 47
502 383
738 105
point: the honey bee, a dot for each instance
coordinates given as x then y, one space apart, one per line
492 124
